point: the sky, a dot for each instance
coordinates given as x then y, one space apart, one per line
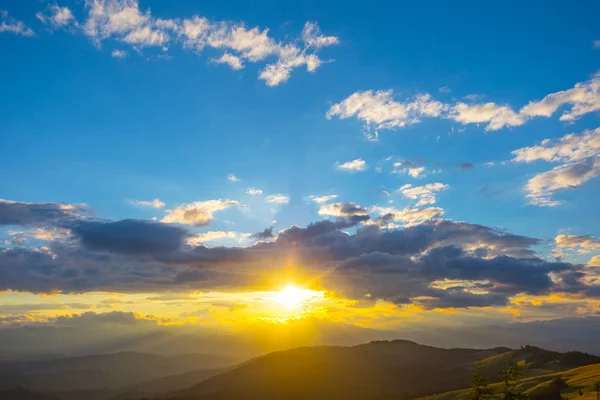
386 164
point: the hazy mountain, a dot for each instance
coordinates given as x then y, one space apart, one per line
105 371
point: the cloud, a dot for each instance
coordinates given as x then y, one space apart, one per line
122 20
343 210
323 199
584 244
200 238
156 203
596 44
233 61
199 213
465 165
233 178
541 187
581 155
119 53
569 148
583 98
254 192
21 213
277 198
56 16
409 168
496 116
129 236
404 266
424 194
11 25
380 110
410 216
355 165
594 262
266 234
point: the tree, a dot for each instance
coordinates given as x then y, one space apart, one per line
509 377
480 385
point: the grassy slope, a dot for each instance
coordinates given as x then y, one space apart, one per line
582 378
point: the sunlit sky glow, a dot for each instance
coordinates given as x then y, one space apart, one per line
384 165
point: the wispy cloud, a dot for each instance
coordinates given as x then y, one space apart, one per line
355 165
11 25
156 203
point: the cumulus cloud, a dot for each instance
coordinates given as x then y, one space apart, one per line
11 25
424 194
580 155
156 203
355 165
264 235
22 213
119 53
583 244
343 210
254 192
200 238
277 198
233 178
541 187
199 213
124 21
381 110
56 16
323 199
409 168
234 62
409 216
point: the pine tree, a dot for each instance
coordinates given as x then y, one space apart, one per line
510 379
480 385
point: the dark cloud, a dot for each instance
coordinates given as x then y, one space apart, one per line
130 236
487 265
266 234
25 214
465 165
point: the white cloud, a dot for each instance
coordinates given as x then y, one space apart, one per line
233 61
409 168
254 192
581 155
200 238
56 16
409 216
424 194
596 44
572 147
199 213
123 20
379 110
278 198
583 98
496 116
541 187
156 203
119 54
323 199
444 89
11 25
233 178
355 165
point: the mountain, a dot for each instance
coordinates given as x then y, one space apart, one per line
104 371
396 369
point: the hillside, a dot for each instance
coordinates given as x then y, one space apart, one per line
378 370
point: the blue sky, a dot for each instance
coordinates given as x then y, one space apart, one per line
125 105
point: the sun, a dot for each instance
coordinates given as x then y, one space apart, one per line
293 297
